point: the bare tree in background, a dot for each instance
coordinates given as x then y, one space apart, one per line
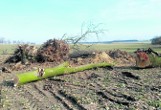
86 30
156 40
8 42
2 40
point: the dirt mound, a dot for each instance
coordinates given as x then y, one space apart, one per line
102 57
123 58
85 57
53 50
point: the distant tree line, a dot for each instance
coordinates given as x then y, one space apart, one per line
4 41
156 41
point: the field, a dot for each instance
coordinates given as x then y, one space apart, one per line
129 47
117 88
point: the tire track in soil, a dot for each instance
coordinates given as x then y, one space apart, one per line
61 100
15 96
44 99
135 86
39 90
51 92
117 94
116 98
30 103
111 95
72 100
107 96
34 98
68 101
49 96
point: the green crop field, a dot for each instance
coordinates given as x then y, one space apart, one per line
7 49
129 47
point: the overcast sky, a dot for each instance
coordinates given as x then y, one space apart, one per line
39 20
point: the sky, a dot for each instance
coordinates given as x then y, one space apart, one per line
40 20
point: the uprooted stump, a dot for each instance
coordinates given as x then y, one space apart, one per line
53 50
23 53
50 51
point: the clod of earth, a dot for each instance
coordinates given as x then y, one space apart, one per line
50 72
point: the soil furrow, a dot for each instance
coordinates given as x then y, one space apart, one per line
34 96
116 94
65 105
39 90
112 99
72 100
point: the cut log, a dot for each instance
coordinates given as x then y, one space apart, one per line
147 58
142 60
50 72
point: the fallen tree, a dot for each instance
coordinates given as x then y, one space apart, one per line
62 69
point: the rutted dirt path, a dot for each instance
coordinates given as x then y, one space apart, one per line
98 89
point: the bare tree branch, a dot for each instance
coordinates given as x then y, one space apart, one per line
91 29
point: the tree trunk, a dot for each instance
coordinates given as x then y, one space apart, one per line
144 60
50 72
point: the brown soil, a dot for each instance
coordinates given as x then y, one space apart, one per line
126 88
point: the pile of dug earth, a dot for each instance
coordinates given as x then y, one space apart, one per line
118 57
27 56
54 52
